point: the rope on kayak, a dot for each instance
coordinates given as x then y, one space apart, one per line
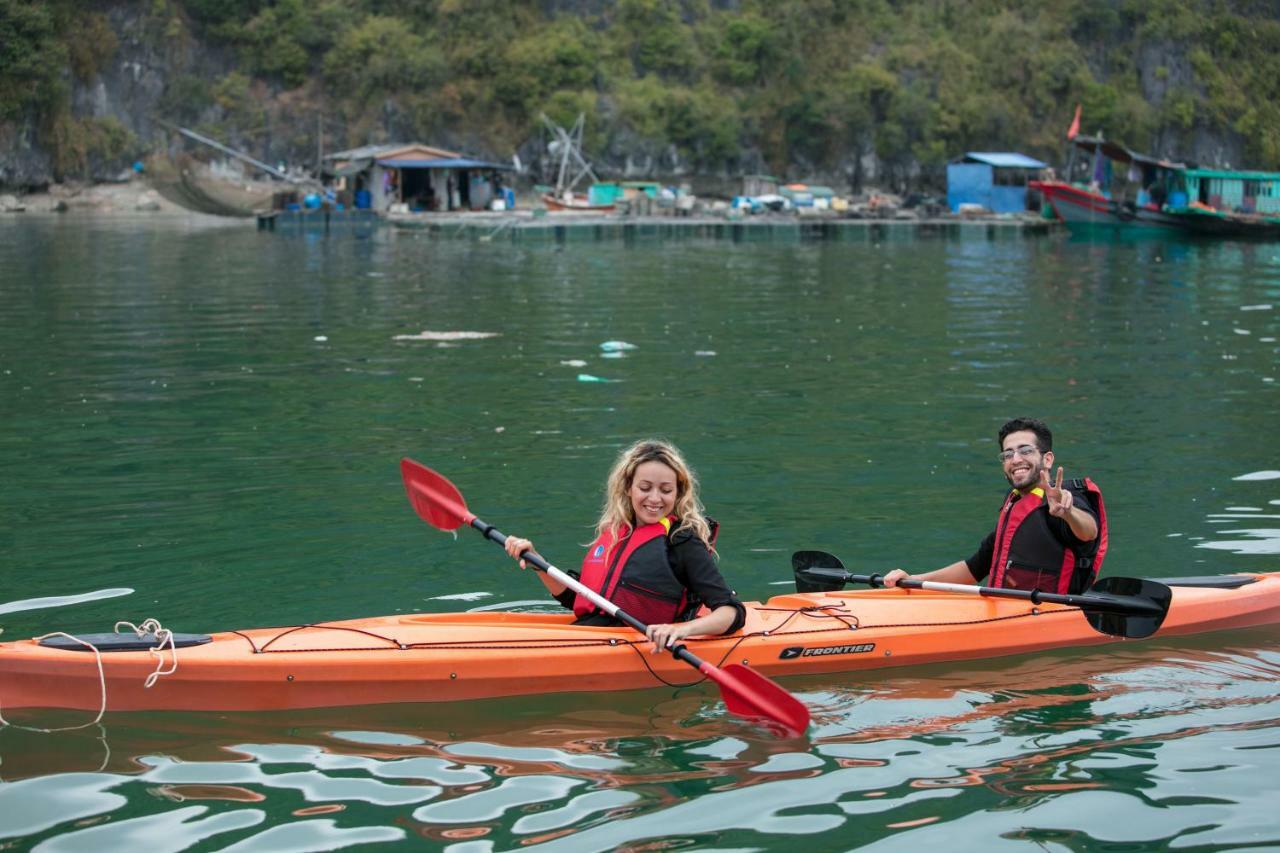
102 680
164 637
853 623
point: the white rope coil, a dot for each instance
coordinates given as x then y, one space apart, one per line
164 639
102 681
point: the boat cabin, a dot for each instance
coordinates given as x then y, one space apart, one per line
1234 192
1117 172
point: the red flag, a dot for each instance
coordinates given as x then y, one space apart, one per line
1075 125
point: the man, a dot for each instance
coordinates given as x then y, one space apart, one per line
1047 536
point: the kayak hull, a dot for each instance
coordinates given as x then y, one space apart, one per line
465 656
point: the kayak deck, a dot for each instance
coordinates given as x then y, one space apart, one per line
462 656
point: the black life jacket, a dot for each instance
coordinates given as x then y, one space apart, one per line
632 568
1036 559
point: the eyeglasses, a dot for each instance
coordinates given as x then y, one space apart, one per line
1026 451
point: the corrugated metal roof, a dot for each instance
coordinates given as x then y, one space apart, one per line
443 163
1006 160
371 151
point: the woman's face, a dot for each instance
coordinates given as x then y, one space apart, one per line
652 492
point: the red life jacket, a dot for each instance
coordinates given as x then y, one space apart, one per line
1045 563
633 570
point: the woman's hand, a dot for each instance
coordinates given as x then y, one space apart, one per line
892 578
664 637
516 546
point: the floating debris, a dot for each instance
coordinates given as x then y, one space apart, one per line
322 338
1255 307
427 335
613 354
587 377
574 362
617 346
1259 475
705 353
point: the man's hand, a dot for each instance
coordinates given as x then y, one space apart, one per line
1059 500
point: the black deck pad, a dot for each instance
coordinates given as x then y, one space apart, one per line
126 642
1215 581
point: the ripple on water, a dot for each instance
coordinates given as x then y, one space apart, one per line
63 600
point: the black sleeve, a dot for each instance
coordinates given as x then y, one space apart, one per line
698 570
1062 530
980 563
567 597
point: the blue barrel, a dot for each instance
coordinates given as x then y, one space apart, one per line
364 200
1177 199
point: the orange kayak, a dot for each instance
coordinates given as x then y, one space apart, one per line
461 656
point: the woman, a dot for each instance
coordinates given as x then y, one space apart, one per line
654 553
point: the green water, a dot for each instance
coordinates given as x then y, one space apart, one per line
203 425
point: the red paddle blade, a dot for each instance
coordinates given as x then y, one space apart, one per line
747 693
436 501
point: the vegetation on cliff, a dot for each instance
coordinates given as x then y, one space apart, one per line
790 86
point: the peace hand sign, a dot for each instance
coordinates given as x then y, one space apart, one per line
1057 498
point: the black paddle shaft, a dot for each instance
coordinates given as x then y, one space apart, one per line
1101 598
1121 607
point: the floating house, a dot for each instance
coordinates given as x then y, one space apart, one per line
612 192
808 195
416 177
996 181
757 185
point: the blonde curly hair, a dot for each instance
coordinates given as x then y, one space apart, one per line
688 509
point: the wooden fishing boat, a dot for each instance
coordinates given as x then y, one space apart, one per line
574 204
1082 206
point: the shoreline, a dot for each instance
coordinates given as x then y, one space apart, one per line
137 201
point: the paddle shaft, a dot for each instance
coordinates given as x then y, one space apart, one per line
679 651
1094 601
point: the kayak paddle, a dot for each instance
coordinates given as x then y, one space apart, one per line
1122 607
746 692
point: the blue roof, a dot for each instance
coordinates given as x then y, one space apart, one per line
451 163
1007 160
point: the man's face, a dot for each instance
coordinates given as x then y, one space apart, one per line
1022 460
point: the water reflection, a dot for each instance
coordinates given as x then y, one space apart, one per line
1003 747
